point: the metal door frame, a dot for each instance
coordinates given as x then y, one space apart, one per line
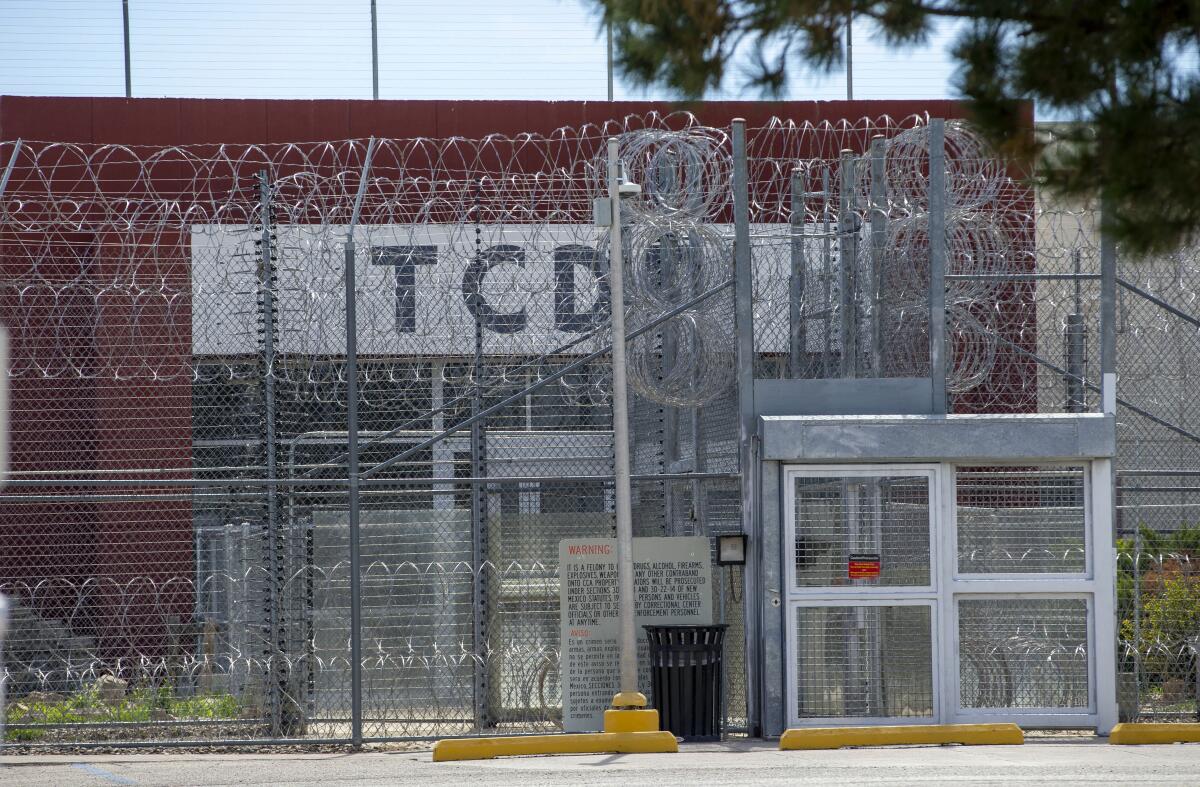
1096 585
855 596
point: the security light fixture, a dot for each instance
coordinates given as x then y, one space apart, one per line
731 550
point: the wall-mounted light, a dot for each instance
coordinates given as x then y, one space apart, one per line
731 550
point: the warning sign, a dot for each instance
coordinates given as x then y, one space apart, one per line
863 565
672 580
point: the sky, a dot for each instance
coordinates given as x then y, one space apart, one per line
448 49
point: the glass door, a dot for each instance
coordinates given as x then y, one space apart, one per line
862 594
929 593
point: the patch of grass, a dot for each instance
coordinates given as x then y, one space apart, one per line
212 706
27 721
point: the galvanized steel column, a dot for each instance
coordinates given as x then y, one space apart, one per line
356 714
937 264
747 451
627 636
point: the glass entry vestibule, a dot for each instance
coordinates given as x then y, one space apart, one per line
947 592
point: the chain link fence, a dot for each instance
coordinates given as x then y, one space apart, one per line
176 534
193 432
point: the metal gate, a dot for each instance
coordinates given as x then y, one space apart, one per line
925 593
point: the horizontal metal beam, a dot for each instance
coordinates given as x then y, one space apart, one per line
1021 276
1158 302
138 483
1123 402
1159 489
1158 473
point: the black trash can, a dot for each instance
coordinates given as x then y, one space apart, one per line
686 680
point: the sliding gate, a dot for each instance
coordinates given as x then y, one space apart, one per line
923 593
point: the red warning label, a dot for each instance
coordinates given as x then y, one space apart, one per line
863 566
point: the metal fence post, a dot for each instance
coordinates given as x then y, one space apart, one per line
879 219
1076 347
9 167
747 455
356 712
479 495
796 333
1108 406
826 277
848 269
937 264
374 51
1108 315
125 40
272 538
609 65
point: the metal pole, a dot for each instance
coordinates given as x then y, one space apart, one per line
848 268
1108 314
1076 346
879 218
610 61
356 712
826 277
1108 359
799 270
850 58
274 650
352 478
374 51
9 167
628 695
937 263
125 37
478 496
747 457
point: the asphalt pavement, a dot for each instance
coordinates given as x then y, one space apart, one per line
1071 761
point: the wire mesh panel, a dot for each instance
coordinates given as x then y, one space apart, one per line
152 645
1029 653
1158 597
1021 520
190 321
180 393
882 520
863 661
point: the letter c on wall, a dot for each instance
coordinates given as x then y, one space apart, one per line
472 286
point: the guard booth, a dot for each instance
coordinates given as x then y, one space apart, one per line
926 568
912 564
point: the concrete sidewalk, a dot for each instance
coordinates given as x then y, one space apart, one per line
1040 762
